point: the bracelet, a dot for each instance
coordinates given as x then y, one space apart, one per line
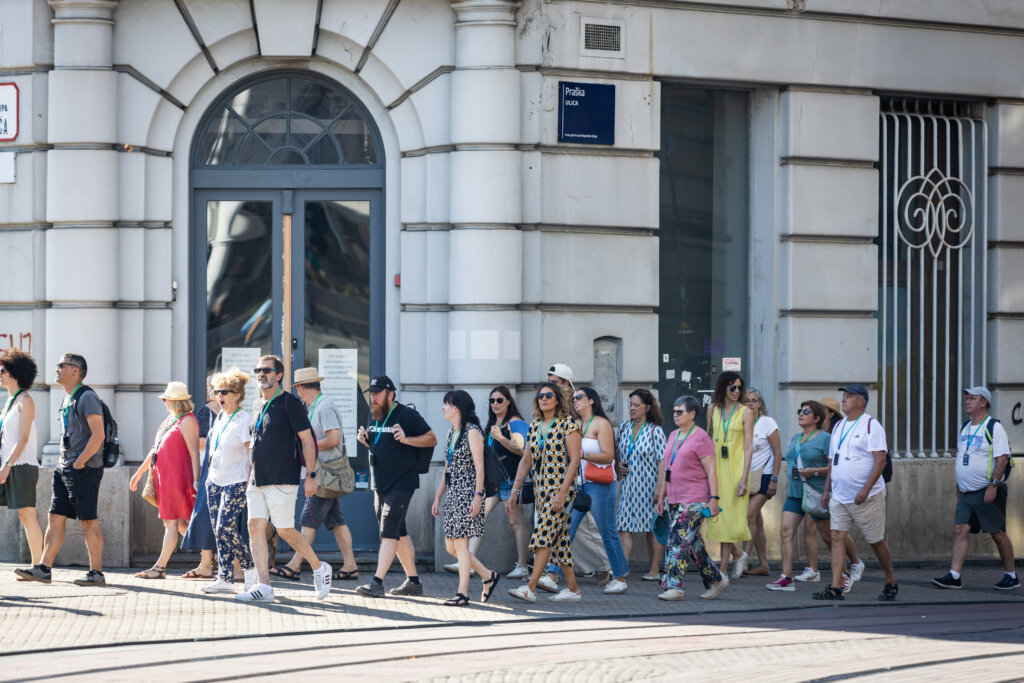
715 497
775 479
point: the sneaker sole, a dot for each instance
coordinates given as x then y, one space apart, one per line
1007 588
30 577
942 585
780 589
88 583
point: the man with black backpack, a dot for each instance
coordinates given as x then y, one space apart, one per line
982 465
77 477
397 437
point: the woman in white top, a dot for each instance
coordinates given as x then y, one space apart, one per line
19 460
227 479
766 460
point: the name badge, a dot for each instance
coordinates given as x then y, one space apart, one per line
966 457
835 459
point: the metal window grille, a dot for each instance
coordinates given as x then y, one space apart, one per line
602 37
933 271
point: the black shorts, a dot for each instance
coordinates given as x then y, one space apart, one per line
987 518
392 507
326 511
76 493
766 481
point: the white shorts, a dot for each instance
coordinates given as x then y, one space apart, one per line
869 517
276 503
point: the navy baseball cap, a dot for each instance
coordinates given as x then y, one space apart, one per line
858 389
381 383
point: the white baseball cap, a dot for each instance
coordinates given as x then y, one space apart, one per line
980 391
561 370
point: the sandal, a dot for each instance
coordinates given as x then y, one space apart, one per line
153 572
285 572
340 575
196 574
489 587
459 600
757 572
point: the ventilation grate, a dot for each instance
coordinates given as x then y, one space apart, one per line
602 37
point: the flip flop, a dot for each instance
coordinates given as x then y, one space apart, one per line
195 574
285 572
340 575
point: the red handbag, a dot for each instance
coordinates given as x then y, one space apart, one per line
599 474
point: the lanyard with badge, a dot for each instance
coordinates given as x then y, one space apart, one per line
385 423
220 433
65 406
633 434
970 440
842 437
676 445
7 409
725 430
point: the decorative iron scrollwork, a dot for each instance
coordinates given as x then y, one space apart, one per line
935 211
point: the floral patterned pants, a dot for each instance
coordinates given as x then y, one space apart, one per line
226 503
685 544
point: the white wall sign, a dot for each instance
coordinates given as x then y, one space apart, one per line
731 365
339 368
8 112
245 359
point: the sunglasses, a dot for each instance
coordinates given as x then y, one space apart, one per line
222 392
678 412
496 401
3 370
735 387
579 397
262 371
804 411
61 365
545 395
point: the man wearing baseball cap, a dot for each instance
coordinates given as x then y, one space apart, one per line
394 437
982 464
855 490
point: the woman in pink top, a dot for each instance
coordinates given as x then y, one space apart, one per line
688 486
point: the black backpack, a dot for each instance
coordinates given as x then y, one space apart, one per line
988 438
887 471
111 448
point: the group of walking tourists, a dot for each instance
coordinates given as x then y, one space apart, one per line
225 480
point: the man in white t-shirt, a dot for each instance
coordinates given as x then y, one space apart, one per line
855 489
982 457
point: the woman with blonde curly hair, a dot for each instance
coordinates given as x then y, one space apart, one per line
227 479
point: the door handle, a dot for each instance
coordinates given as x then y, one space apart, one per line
295 343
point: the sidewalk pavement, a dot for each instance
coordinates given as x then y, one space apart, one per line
37 617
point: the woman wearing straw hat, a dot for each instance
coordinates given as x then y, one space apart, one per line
175 462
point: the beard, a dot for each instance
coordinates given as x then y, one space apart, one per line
379 412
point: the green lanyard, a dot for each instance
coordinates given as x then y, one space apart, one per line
67 404
216 442
490 437
315 401
7 406
633 435
674 450
544 435
583 434
725 425
384 423
801 441
451 447
163 432
259 422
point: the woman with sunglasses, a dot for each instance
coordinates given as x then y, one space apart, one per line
688 489
19 452
227 479
807 461
553 450
765 465
638 450
731 425
175 462
199 535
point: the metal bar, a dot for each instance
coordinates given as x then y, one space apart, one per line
961 358
983 239
973 281
885 270
907 333
920 306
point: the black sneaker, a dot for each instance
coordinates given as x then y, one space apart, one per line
92 578
829 593
374 589
408 588
948 581
36 572
889 592
1007 583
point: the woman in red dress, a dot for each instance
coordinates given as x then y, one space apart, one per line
175 462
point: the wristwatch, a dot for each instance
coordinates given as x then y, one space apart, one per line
775 479
311 475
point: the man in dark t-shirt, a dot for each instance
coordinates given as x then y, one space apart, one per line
282 442
395 436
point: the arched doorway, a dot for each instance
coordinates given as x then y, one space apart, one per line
288 162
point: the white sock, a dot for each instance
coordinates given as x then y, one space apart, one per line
1012 574
955 575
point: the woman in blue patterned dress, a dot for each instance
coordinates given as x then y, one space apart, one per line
639 447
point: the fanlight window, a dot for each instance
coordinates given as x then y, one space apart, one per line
287 121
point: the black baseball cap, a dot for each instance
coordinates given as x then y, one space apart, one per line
381 383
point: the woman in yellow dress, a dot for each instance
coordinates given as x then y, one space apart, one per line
731 426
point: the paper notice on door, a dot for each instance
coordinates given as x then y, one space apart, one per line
245 359
732 365
339 368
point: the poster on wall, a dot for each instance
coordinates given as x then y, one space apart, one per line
339 368
8 112
245 359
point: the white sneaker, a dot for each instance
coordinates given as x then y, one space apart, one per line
616 587
856 571
518 572
454 568
809 575
716 588
250 577
738 566
523 592
219 586
672 594
261 592
565 595
847 583
547 583
322 581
